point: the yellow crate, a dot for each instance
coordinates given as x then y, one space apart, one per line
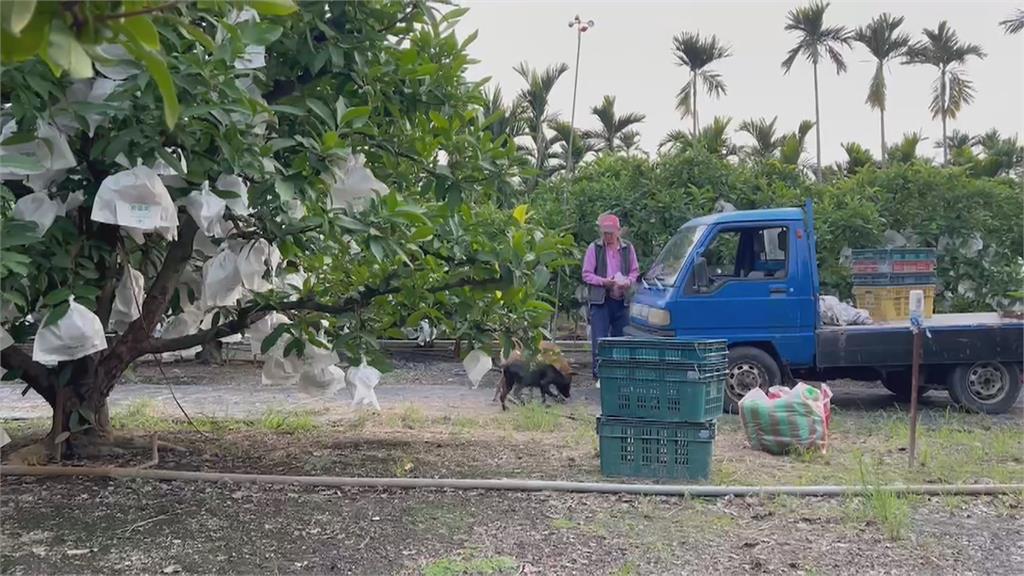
891 303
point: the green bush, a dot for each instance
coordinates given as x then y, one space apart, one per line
932 206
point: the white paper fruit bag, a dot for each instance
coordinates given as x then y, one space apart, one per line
137 201
78 333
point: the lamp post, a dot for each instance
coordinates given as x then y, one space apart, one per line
580 27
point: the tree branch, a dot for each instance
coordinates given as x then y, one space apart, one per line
141 12
248 315
33 373
132 344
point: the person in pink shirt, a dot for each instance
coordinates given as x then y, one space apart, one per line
610 269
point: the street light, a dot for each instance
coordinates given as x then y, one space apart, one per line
580 27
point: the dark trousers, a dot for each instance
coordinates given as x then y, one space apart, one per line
608 319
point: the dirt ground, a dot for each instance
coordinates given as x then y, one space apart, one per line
441 430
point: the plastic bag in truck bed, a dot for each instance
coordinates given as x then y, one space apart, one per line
786 420
836 313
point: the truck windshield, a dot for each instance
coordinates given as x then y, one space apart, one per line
666 268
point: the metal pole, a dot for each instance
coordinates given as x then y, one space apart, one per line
572 116
581 27
915 376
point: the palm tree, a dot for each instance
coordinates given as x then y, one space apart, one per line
884 41
766 141
793 144
534 99
713 138
816 40
952 90
505 120
857 158
958 139
697 54
905 150
1015 23
607 136
1000 156
558 150
629 141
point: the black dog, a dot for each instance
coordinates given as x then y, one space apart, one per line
518 374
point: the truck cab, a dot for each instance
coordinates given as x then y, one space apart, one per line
751 279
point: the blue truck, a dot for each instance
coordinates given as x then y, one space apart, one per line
751 278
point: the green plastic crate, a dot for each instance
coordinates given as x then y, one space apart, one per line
663 371
661 349
652 449
662 400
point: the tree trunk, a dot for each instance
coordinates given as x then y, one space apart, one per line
693 98
212 353
80 409
817 123
942 94
884 149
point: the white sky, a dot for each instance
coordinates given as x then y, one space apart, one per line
628 54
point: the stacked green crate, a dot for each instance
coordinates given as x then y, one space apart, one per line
660 398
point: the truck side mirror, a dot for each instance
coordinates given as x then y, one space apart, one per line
701 280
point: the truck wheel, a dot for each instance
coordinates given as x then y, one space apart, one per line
749 368
986 387
900 384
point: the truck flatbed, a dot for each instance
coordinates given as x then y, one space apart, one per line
967 320
949 339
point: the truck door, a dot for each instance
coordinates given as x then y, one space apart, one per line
756 290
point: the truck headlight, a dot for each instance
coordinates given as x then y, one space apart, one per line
658 317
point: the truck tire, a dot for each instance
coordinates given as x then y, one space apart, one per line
749 368
900 384
985 387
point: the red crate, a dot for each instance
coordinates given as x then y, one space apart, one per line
913 266
870 267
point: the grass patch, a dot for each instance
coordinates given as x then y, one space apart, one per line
889 510
436 518
141 415
627 569
563 524
276 420
460 566
411 417
536 418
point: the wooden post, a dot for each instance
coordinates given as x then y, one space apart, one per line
915 385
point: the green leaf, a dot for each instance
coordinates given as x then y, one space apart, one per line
33 37
469 39
339 110
56 314
321 110
377 248
273 337
351 224
85 291
170 160
198 35
259 33
143 31
157 68
284 109
17 15
20 164
454 14
65 53
541 277
353 114
57 296
422 233
273 7
439 120
521 213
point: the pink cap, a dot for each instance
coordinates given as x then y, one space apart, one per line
608 223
